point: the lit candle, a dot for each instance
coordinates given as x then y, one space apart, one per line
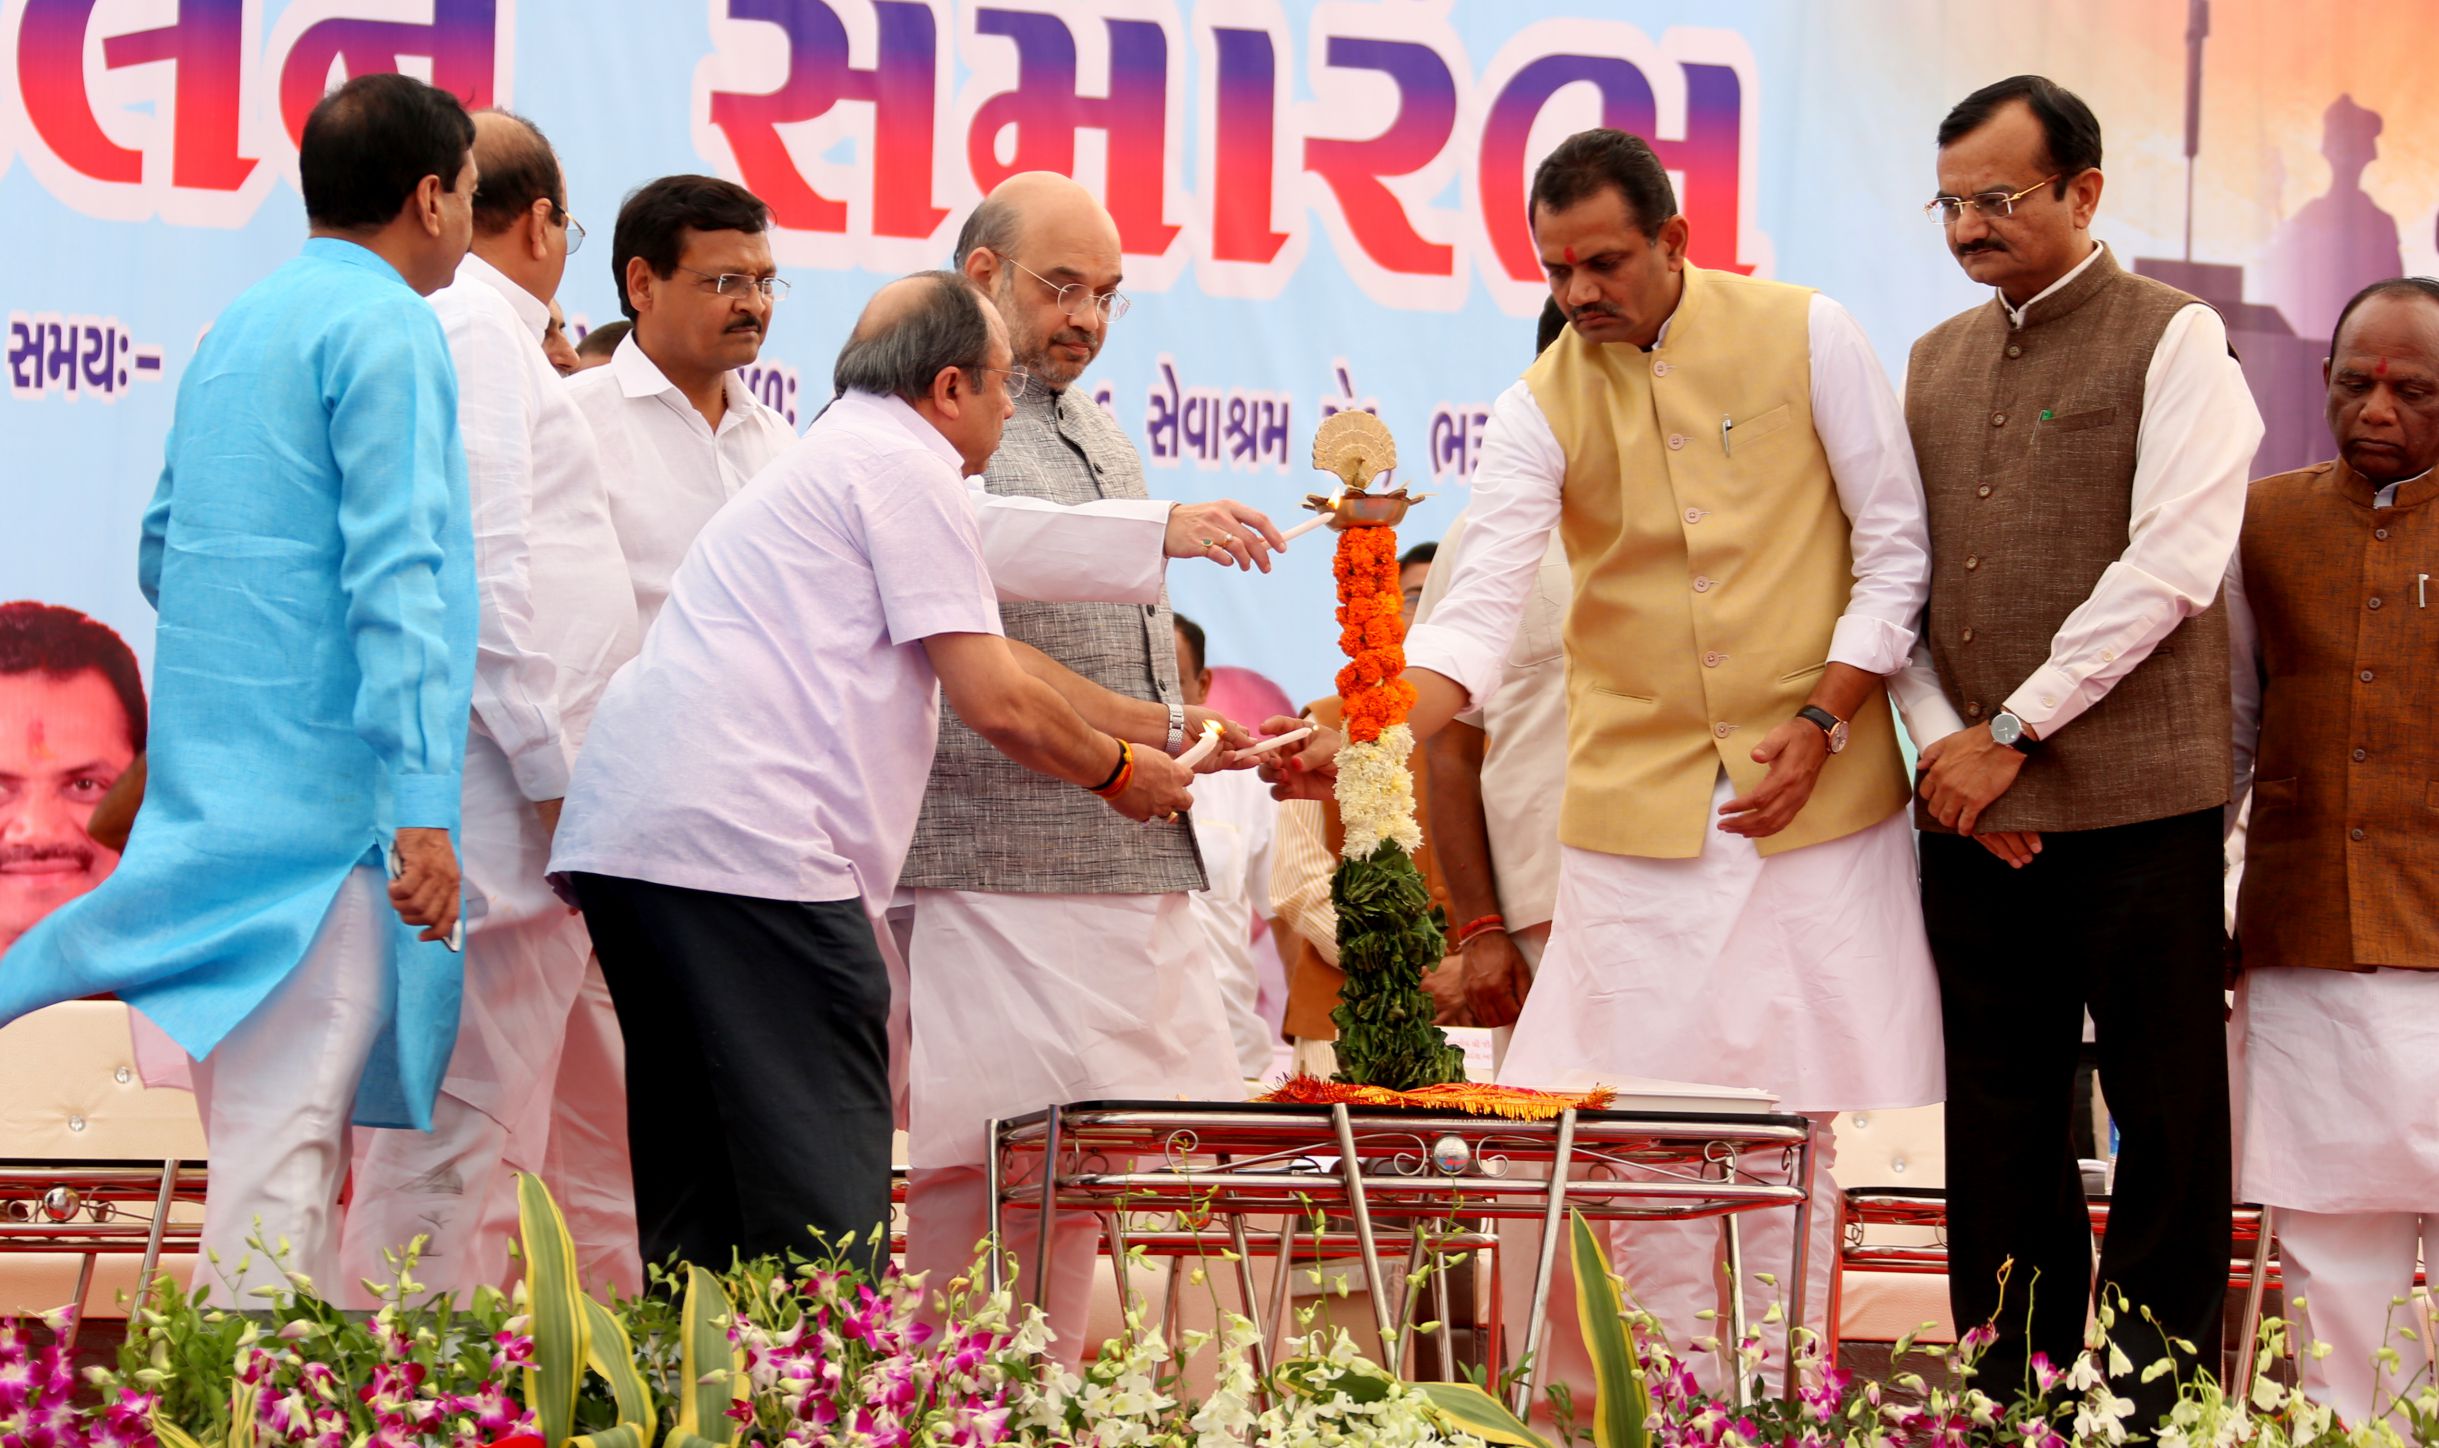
1325 515
1203 747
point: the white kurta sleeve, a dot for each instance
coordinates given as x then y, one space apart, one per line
516 681
1300 869
2243 686
1515 505
1924 707
2192 456
1112 551
1862 430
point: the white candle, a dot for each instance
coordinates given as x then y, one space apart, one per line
1280 741
1203 747
1303 528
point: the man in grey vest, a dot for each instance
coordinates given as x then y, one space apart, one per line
2084 438
1050 958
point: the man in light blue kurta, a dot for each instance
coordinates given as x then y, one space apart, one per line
310 554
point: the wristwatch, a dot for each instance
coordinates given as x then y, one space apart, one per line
2007 729
1177 727
1830 724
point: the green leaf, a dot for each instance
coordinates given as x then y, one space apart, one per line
1468 1409
612 1355
703 1407
625 1435
1312 1379
1624 1407
560 1328
170 1434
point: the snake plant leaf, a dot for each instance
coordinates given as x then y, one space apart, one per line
1468 1409
706 1350
611 1354
560 1327
1621 1417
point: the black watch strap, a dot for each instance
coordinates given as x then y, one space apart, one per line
1827 722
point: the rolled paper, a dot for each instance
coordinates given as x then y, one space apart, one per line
1202 748
1279 741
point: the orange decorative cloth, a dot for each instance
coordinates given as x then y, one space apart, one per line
1474 1098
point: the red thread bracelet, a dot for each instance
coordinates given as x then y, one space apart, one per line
1472 928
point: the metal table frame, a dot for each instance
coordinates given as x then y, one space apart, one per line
1214 1164
2252 1264
105 1212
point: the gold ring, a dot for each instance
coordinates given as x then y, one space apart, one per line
1210 543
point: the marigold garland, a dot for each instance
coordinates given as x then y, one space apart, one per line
1372 685
1389 932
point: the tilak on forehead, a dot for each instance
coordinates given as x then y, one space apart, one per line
2382 369
1570 253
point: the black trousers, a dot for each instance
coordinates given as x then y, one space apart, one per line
757 1035
2128 922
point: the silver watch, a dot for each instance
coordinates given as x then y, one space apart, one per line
2007 729
1177 727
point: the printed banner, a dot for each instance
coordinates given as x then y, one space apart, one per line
1322 204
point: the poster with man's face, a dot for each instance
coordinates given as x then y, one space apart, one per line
71 721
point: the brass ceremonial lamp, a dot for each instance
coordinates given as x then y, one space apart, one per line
1355 447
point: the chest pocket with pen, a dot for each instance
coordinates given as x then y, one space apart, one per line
1742 437
2077 421
2078 447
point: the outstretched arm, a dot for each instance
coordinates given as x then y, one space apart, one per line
1140 721
1027 720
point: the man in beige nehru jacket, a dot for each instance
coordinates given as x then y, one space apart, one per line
1729 470
2334 623
2084 436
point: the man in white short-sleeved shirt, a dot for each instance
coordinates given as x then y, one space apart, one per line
751 783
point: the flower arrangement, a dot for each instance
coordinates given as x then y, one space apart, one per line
824 1355
1389 932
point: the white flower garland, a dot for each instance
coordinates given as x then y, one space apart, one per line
1376 794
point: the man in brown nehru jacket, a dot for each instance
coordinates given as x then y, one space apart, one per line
2084 438
2334 625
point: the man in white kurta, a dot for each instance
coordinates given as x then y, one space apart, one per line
2336 1031
1233 819
1052 951
557 620
680 433
1703 946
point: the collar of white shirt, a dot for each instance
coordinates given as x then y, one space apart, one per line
2015 315
2386 497
531 310
865 408
639 376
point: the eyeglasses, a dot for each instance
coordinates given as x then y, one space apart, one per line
575 228
730 284
1989 205
1073 296
1017 377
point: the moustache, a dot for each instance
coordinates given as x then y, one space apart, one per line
1976 248
1592 309
753 327
32 854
